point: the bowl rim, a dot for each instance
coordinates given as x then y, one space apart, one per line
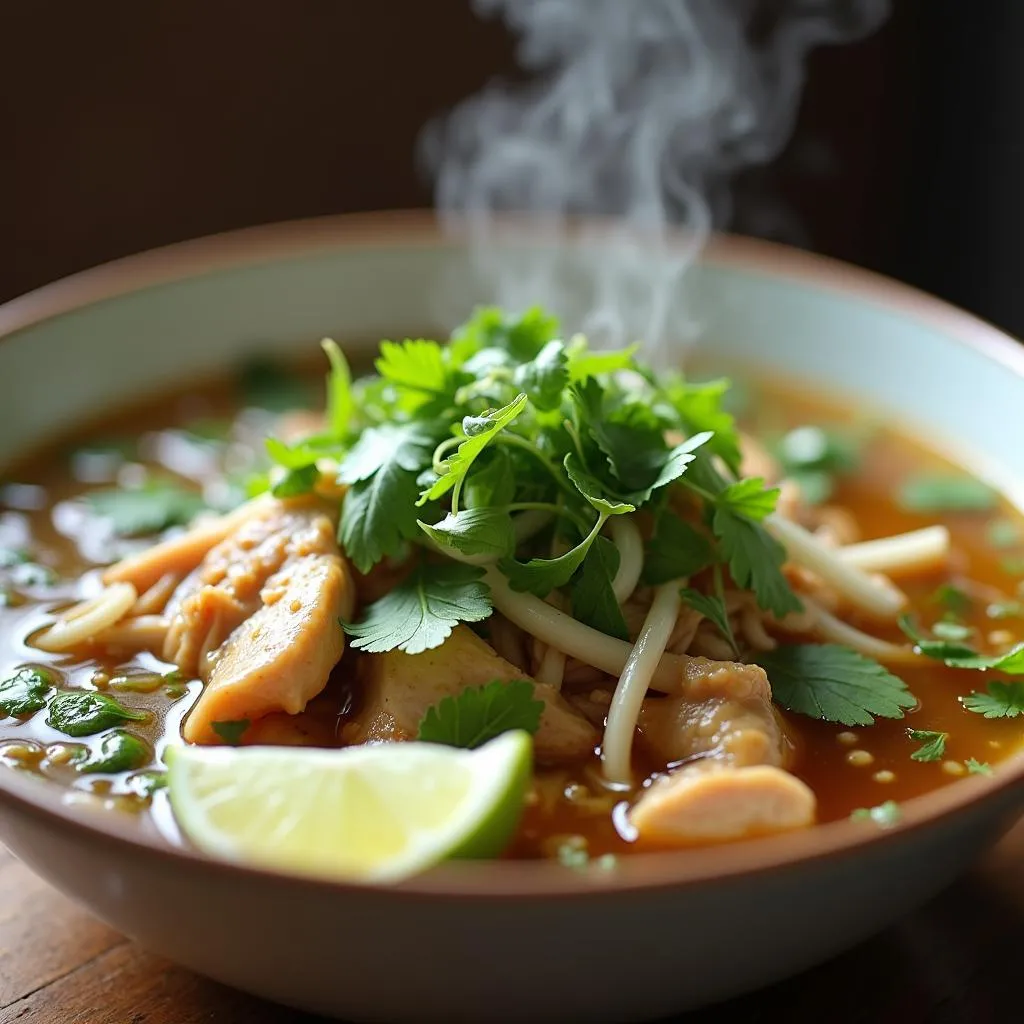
759 858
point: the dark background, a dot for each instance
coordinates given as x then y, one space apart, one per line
127 125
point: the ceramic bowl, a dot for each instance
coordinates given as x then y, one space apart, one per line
503 941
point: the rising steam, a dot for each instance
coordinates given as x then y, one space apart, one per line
642 110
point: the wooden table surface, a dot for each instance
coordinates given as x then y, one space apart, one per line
960 960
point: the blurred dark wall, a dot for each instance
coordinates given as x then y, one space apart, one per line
128 125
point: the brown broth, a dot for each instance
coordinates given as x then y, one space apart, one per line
569 805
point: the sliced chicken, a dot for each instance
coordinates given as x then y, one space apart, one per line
398 688
716 803
728 746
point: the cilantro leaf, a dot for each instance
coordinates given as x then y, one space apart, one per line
1002 700
834 684
479 714
755 562
582 363
485 533
522 337
379 510
975 767
492 481
296 482
883 815
478 431
933 744
231 732
421 612
749 498
155 506
945 492
302 453
700 408
544 378
675 550
539 576
416 367
592 489
956 654
593 600
340 402
813 456
712 607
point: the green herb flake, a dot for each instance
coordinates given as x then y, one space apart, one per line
231 732
151 508
975 767
1001 700
952 599
296 482
479 714
957 654
884 815
933 744
25 691
593 599
145 784
82 713
117 751
943 492
834 684
422 611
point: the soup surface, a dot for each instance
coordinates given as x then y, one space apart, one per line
97 716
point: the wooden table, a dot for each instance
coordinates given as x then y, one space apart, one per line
957 961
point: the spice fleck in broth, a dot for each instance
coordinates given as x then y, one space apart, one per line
519 520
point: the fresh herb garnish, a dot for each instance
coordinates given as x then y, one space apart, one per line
25 691
834 684
479 714
117 751
945 492
883 815
813 457
231 732
155 506
933 744
1002 700
957 654
953 600
975 767
83 713
421 612
593 600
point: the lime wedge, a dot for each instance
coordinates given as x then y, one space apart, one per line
374 813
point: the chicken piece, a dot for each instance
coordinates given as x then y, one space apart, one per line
179 555
732 783
725 713
225 589
398 688
716 803
279 658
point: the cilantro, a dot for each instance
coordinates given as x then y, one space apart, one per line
712 607
933 744
593 600
545 377
24 692
957 654
582 363
478 432
479 714
491 481
755 562
749 498
481 533
700 408
978 767
883 815
231 732
812 457
421 612
340 403
955 601
592 489
296 482
1002 700
416 368
117 751
944 492
379 510
521 338
676 550
82 713
155 506
834 684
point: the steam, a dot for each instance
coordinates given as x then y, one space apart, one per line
639 110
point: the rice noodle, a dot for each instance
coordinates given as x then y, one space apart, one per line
84 621
643 661
902 552
880 597
141 632
582 642
828 627
631 557
153 600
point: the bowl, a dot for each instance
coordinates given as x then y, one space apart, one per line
503 941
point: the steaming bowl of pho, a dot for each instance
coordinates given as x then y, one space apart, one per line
658 670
